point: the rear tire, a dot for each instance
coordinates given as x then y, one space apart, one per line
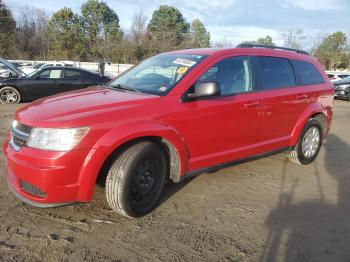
309 143
136 179
9 95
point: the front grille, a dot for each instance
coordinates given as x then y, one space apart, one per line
24 128
19 136
18 141
32 190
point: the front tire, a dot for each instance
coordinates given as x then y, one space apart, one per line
309 143
9 95
136 179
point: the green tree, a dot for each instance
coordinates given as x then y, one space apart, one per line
168 25
101 26
7 30
331 50
66 32
200 36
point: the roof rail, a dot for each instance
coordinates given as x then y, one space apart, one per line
272 47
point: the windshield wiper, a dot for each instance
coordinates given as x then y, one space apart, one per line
125 87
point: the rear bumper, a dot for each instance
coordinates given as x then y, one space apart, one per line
55 175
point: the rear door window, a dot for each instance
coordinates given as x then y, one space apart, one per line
307 73
276 72
72 74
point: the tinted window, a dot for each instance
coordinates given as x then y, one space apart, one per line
233 75
330 75
342 76
72 74
276 72
50 73
307 73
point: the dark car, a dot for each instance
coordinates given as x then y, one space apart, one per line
342 88
47 81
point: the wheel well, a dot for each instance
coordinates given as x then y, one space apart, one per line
322 119
169 150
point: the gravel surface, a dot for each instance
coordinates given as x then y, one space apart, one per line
265 210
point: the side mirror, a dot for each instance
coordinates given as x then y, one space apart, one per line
205 89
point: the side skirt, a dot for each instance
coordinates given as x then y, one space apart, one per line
233 163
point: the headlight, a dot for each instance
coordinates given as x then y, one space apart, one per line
343 86
60 139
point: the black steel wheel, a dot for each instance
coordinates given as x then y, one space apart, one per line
136 179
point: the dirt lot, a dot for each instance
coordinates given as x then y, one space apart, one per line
266 210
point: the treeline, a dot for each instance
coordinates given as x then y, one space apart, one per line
94 34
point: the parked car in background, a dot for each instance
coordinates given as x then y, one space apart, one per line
342 88
335 76
47 81
173 116
8 70
30 69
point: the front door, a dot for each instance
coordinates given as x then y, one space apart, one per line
225 127
43 84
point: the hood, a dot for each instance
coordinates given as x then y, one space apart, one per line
12 67
341 82
68 108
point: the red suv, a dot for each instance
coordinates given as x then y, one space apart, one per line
173 116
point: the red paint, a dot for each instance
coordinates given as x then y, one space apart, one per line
204 132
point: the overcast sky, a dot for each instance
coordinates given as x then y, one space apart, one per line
231 20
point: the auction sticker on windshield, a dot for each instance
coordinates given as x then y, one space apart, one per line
184 62
182 69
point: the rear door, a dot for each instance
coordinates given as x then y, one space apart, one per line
287 87
73 79
282 101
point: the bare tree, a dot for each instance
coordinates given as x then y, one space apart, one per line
224 43
293 38
138 26
31 32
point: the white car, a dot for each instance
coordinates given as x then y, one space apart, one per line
7 70
6 73
31 69
335 76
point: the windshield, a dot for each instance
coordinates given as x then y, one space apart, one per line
31 74
159 74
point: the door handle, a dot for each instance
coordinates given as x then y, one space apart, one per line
252 104
301 96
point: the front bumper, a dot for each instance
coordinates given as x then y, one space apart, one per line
55 175
341 94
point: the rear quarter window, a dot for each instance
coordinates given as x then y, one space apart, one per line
307 73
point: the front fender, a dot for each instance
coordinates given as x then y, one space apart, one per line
310 111
117 137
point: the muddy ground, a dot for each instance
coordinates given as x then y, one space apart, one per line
266 210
